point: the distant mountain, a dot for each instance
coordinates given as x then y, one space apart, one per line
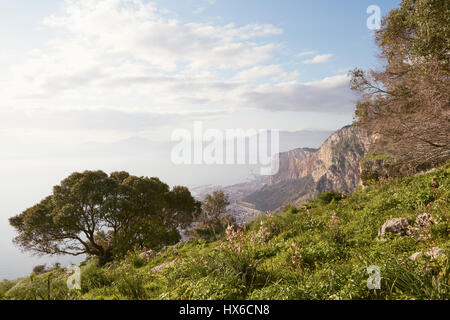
304 172
290 140
240 208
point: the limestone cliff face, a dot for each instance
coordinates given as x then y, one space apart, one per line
294 164
304 173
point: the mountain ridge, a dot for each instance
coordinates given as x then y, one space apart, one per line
303 174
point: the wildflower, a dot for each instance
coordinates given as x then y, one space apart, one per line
263 233
296 257
234 238
204 262
334 222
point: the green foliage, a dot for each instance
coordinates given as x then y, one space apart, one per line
40 269
406 102
137 261
100 215
94 277
6 285
430 21
319 251
212 221
377 168
131 286
291 209
327 197
51 285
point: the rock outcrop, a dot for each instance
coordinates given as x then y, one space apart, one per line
397 226
148 254
401 227
304 173
164 265
433 253
424 220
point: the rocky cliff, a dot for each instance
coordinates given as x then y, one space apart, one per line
304 173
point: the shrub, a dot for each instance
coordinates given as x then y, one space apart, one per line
93 276
130 285
327 197
137 261
39 269
5 285
290 209
47 286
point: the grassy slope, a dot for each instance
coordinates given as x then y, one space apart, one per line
299 254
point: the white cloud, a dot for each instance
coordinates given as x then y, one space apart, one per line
305 53
320 58
126 63
199 10
258 72
95 119
128 45
329 95
135 29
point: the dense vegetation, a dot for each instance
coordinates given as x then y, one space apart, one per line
213 220
319 251
105 216
407 101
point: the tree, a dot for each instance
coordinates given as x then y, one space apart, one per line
327 197
407 104
212 221
99 215
39 269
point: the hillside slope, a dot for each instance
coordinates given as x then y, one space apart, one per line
320 251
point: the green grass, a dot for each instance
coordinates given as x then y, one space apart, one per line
303 253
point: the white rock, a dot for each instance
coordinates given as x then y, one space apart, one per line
433 253
424 220
398 226
147 254
414 256
163 266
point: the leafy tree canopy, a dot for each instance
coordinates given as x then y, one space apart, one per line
213 219
100 215
407 103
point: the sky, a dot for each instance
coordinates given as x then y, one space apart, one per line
102 84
